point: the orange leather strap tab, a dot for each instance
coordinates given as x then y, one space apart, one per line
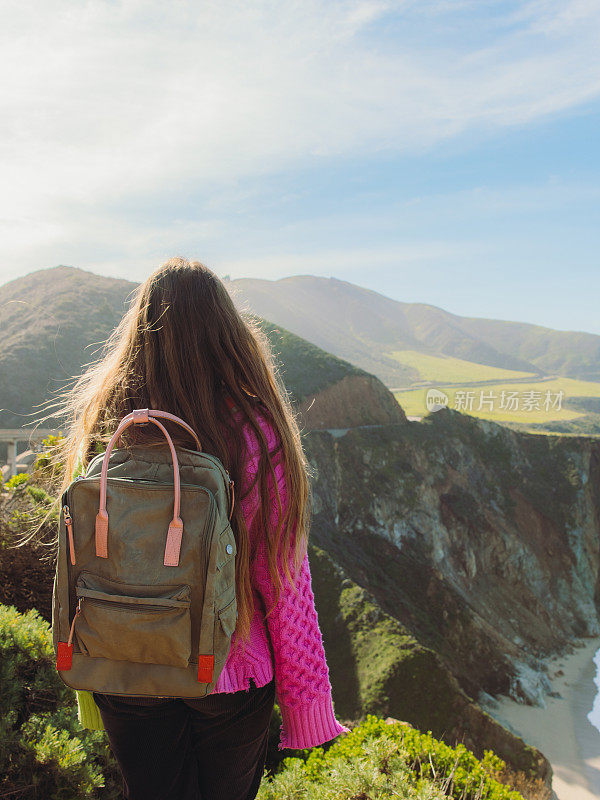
206 666
173 544
101 534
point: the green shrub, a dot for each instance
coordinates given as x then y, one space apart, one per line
377 760
377 771
44 752
17 480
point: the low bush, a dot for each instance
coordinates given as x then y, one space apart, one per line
44 752
379 760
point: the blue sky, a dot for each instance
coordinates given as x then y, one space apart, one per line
437 151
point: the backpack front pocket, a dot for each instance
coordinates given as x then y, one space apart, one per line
126 622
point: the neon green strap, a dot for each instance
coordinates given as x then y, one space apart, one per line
89 713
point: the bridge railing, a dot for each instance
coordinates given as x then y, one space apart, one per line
12 436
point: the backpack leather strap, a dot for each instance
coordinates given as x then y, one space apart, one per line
175 531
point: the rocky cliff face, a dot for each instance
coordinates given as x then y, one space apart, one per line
377 666
483 542
477 549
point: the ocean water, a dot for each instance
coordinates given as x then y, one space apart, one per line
594 714
567 729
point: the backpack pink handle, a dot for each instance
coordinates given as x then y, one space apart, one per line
175 532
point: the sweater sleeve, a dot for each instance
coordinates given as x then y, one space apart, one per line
302 684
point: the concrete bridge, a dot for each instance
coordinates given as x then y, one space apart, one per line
12 436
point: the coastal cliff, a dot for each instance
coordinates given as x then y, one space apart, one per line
481 541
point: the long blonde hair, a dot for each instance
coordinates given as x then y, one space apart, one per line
183 347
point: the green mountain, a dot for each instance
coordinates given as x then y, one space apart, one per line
51 322
369 329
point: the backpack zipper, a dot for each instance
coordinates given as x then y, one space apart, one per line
230 484
130 606
69 524
208 456
231 496
154 484
213 459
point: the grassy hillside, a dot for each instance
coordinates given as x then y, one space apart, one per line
377 666
553 404
573 354
388 759
305 368
447 369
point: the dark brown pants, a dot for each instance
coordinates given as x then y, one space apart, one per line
212 748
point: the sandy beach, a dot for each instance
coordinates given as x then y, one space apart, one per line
562 730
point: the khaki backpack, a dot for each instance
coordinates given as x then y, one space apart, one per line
144 598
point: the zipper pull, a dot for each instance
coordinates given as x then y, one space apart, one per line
77 613
64 653
69 524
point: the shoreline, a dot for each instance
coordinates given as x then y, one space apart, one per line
562 731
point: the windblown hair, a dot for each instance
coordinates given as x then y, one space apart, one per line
183 347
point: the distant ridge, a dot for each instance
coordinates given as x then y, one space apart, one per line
366 328
55 320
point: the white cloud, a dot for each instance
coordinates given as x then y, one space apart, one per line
105 103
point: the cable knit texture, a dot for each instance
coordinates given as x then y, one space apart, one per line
287 644
300 668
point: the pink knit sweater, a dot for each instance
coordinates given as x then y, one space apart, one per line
297 661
